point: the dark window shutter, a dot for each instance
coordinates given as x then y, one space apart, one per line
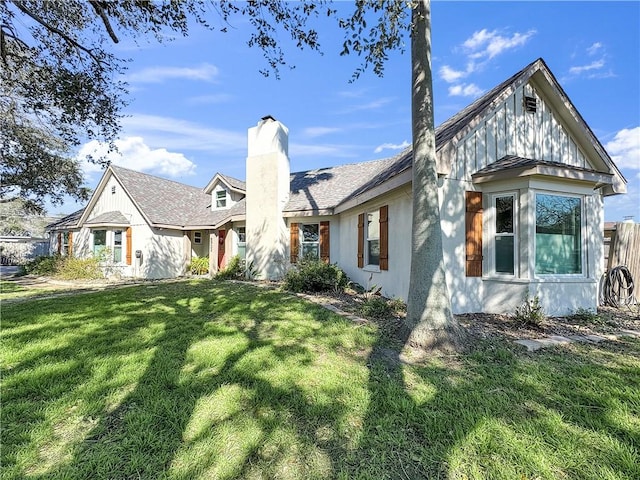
473 238
384 238
361 240
295 243
128 245
324 242
70 251
59 243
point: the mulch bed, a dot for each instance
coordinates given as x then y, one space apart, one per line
494 326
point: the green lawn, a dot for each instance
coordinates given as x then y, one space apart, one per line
215 380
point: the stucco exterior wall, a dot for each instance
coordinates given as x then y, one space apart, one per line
162 250
395 281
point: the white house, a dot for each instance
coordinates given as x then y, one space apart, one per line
522 181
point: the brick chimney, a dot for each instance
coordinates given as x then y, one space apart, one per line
268 175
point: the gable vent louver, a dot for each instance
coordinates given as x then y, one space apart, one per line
530 104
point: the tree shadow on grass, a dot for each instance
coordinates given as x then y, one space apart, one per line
235 387
490 414
253 415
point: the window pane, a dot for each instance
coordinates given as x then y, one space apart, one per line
373 252
504 254
310 250
242 251
558 237
117 237
99 237
242 236
504 214
117 254
373 225
99 241
221 198
310 232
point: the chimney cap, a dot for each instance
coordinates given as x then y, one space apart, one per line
268 117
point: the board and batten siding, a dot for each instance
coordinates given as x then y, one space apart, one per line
510 130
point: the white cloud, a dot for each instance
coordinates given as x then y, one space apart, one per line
625 148
392 146
595 48
481 47
450 75
326 150
485 44
595 65
135 154
204 72
465 90
313 132
179 135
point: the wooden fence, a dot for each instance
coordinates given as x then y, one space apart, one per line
625 250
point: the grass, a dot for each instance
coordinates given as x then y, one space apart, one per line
11 290
206 379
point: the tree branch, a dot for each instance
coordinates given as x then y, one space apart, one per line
105 19
56 30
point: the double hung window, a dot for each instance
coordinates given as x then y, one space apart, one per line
310 240
221 199
373 238
242 243
504 234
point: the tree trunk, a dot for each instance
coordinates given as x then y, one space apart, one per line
429 320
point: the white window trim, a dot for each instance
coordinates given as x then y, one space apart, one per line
490 229
583 239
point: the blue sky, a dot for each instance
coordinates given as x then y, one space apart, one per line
192 99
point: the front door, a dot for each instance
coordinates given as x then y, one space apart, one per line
221 242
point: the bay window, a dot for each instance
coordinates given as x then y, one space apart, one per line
108 245
558 239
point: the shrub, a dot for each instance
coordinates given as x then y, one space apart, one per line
43 265
315 276
199 266
375 307
72 268
234 269
530 313
378 307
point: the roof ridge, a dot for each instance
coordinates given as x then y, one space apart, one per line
155 176
385 159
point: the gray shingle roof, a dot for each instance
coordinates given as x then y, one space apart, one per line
234 182
162 201
70 221
112 218
510 162
326 188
